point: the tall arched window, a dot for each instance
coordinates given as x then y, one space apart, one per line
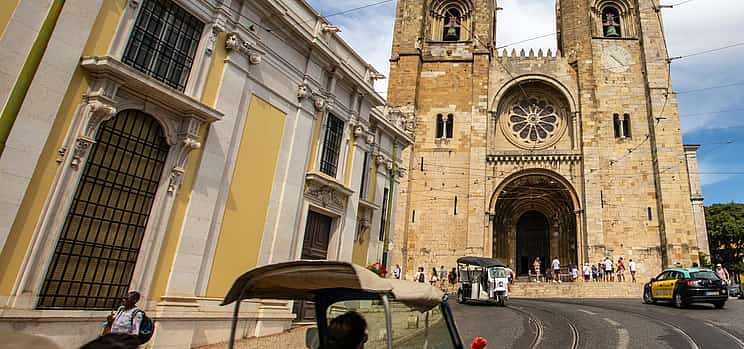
452 25
611 26
97 250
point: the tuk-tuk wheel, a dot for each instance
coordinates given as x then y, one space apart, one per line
460 297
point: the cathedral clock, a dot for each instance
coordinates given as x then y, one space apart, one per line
616 59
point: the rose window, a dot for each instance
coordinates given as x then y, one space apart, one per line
533 120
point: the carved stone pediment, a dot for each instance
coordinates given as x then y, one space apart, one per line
404 118
326 192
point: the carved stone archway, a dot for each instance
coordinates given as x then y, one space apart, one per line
537 193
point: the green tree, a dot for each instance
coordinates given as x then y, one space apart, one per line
726 235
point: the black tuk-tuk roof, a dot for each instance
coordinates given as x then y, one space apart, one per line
483 262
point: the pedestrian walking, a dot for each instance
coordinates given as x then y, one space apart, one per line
442 278
632 266
620 270
433 279
556 270
420 276
536 266
396 271
608 269
722 272
452 278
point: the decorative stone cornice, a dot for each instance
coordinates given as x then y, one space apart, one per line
247 48
110 76
532 158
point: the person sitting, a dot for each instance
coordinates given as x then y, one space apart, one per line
348 331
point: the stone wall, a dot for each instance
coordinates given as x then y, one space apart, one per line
633 193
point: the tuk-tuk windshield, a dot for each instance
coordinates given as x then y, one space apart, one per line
411 328
498 273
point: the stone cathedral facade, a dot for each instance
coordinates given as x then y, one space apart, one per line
575 154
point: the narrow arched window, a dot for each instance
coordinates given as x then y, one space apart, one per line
617 126
449 125
452 25
440 126
611 22
100 241
626 125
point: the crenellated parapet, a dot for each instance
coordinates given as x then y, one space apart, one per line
522 55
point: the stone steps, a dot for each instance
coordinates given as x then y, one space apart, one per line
576 290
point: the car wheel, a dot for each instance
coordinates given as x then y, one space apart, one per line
719 305
647 297
460 297
679 301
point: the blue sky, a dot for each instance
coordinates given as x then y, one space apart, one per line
691 27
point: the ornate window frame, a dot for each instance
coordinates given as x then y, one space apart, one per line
627 18
437 13
116 87
203 11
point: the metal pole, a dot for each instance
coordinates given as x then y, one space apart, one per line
234 328
388 321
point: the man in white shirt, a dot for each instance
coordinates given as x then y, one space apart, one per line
587 270
396 271
632 266
126 319
556 270
608 269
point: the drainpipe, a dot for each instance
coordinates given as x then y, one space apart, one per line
20 89
388 214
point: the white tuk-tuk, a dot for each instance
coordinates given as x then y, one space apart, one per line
482 279
399 314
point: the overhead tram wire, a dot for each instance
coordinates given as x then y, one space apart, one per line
709 88
354 9
271 30
523 41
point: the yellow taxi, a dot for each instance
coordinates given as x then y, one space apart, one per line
683 286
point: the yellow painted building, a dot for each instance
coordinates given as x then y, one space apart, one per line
168 146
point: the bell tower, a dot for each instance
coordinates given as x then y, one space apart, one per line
439 69
630 125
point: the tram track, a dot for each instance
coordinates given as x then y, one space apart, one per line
688 338
540 328
533 321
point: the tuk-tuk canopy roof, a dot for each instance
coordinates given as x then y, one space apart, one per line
305 280
483 262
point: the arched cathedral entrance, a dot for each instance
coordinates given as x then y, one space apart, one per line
533 240
534 216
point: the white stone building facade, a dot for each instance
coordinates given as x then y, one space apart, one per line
238 133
